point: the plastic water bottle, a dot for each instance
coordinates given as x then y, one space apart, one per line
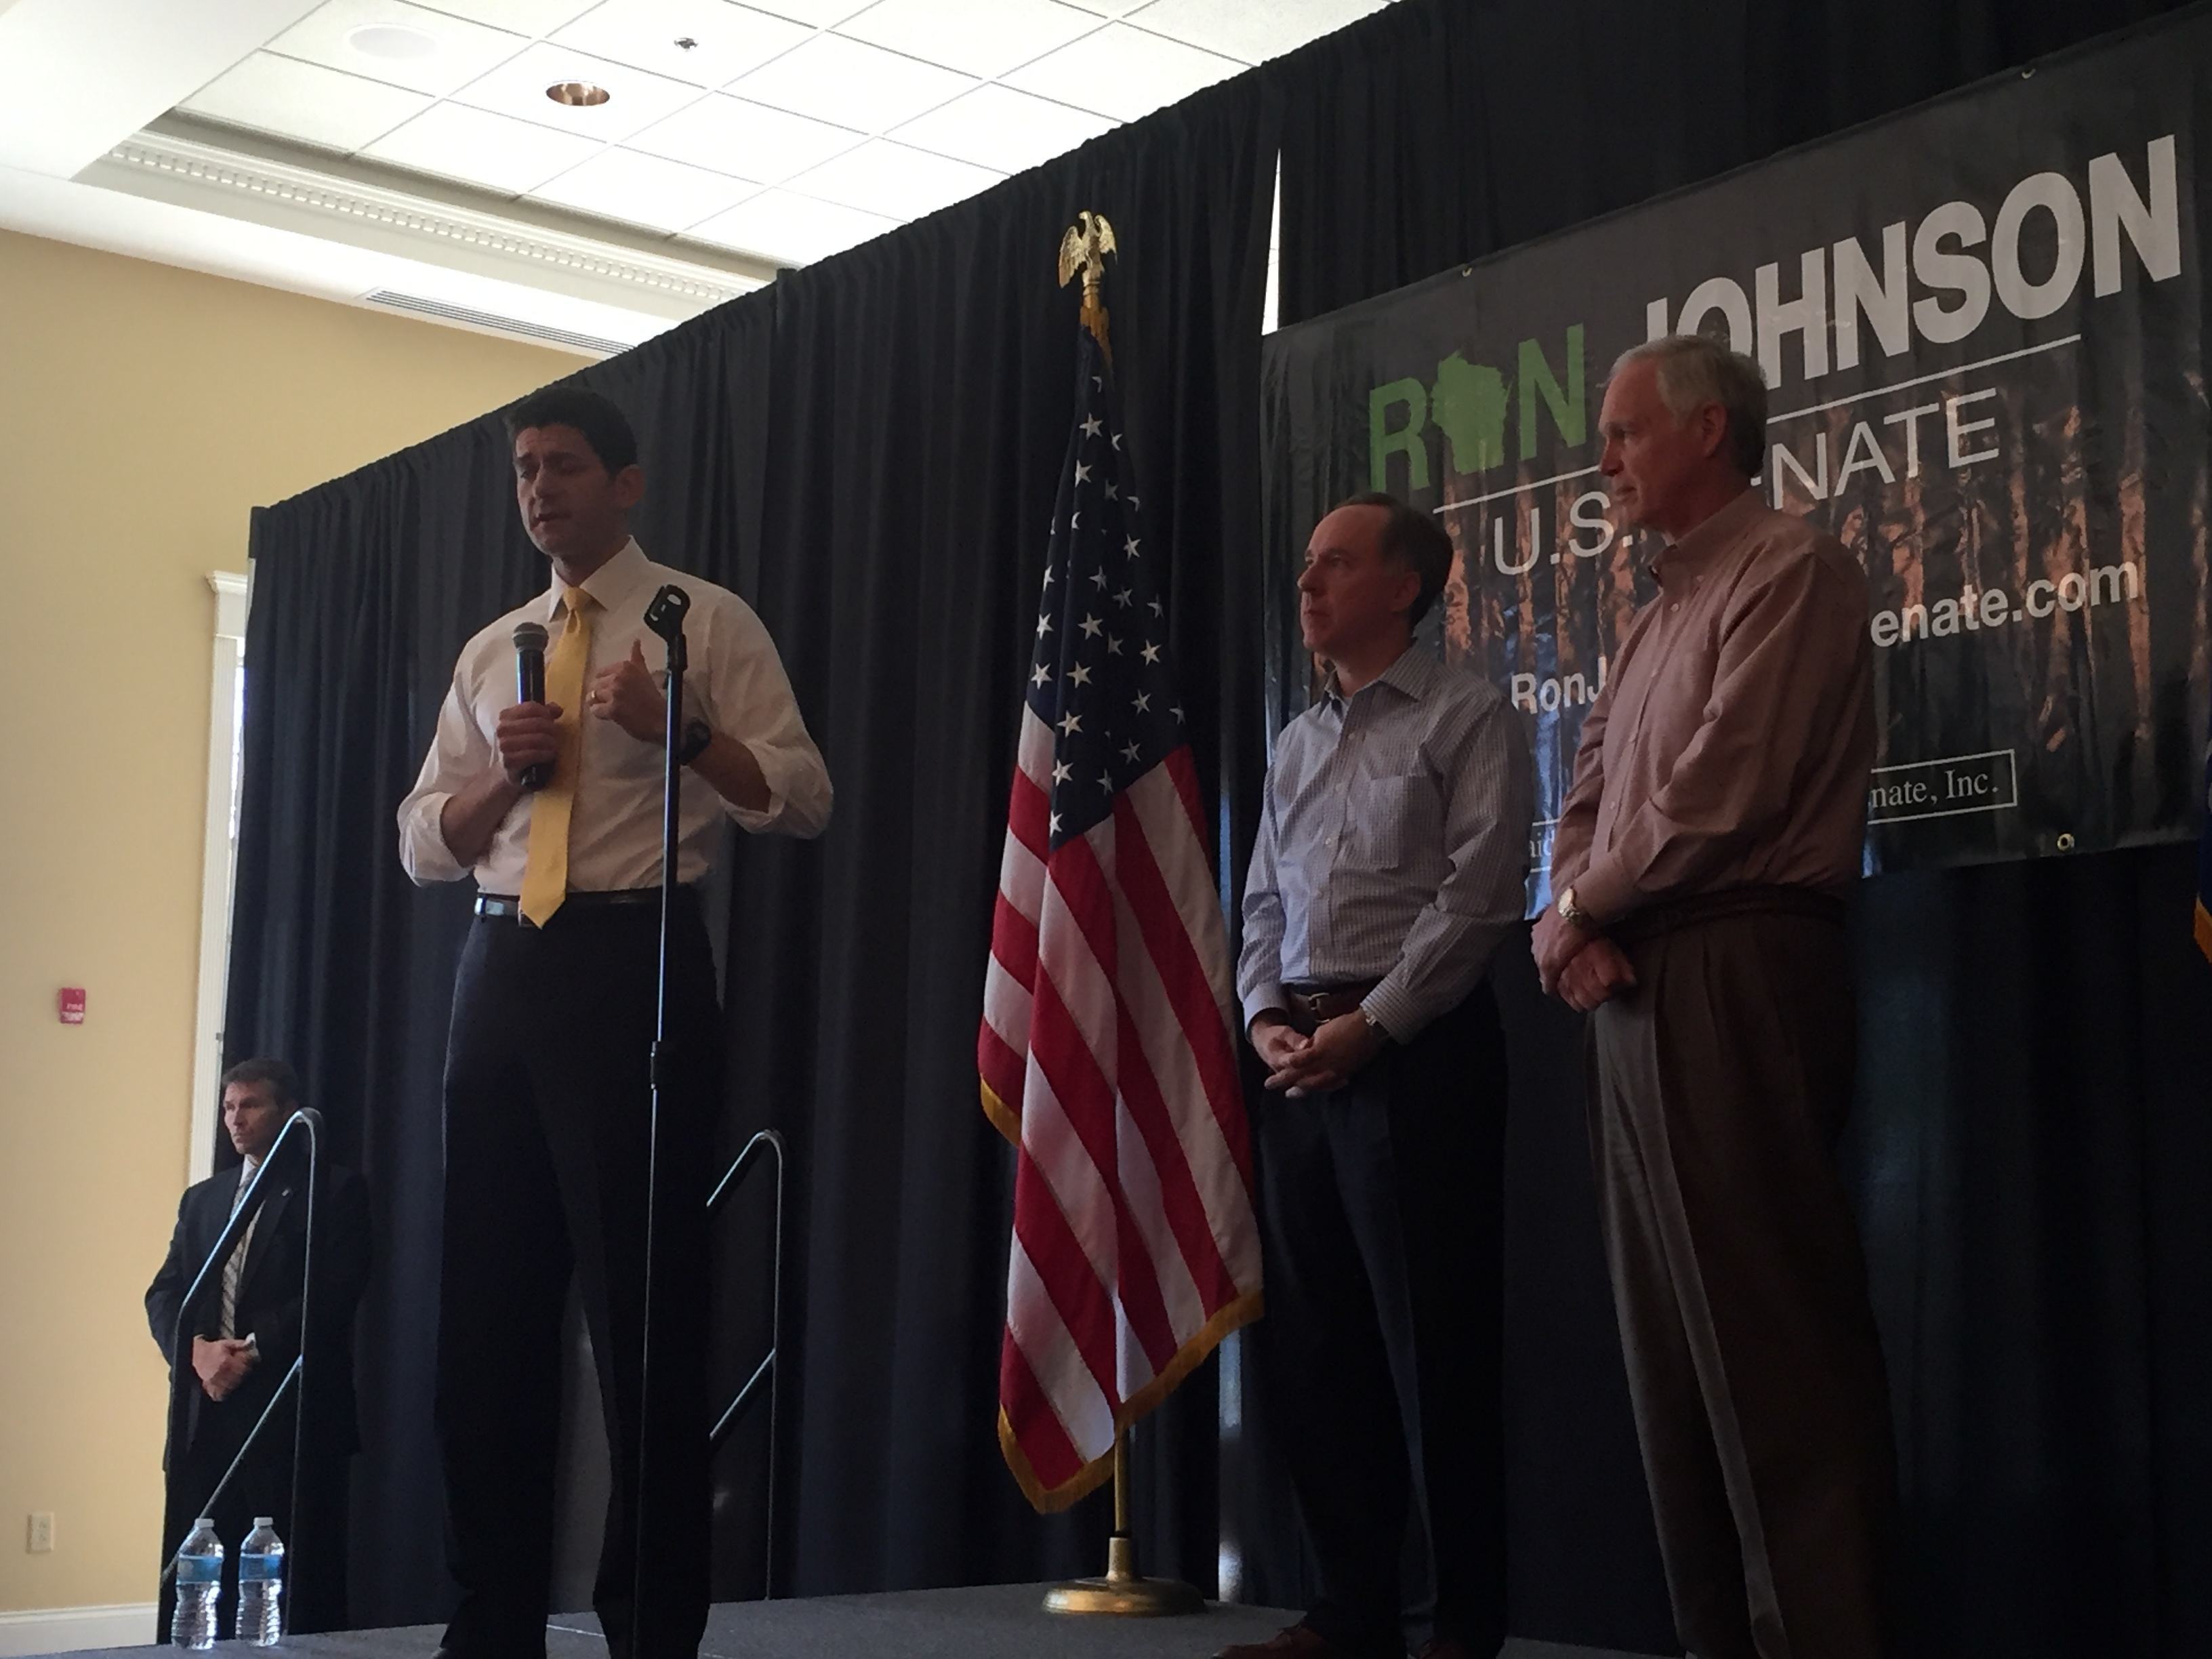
199 1585
261 1585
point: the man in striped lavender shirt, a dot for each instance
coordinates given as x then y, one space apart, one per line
1391 862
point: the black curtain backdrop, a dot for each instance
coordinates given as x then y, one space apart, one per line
868 451
1437 131
924 396
2032 1145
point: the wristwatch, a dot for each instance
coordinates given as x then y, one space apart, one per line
1573 914
697 735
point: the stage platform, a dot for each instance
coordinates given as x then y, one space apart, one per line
994 1622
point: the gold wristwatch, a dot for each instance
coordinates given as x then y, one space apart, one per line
1573 914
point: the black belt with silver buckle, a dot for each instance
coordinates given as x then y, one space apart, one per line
509 909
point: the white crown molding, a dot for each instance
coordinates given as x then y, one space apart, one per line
383 219
276 181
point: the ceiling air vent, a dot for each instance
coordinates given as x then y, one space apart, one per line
452 313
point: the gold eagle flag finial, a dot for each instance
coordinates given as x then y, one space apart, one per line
1083 247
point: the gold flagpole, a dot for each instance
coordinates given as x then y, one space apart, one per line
1123 1592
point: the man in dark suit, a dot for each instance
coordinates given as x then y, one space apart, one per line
241 1336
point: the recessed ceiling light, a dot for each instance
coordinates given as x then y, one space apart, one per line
578 94
392 41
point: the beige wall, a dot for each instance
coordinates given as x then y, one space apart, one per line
143 410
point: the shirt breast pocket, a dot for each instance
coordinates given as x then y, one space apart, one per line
1393 819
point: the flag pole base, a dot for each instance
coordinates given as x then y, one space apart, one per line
1124 1593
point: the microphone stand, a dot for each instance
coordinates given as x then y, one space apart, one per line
664 616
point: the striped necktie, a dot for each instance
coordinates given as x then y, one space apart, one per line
234 1268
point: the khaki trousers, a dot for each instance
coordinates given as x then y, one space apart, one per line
1720 1084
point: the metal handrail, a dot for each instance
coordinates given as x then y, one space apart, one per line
307 1120
767 1142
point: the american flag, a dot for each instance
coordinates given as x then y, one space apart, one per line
1106 1049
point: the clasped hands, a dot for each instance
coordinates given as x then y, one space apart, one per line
1581 968
1298 1065
220 1363
625 693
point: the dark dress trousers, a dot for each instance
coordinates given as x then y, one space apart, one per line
548 1103
1380 1359
209 1433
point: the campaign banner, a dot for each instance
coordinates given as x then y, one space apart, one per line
1982 325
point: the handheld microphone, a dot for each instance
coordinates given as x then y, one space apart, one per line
530 687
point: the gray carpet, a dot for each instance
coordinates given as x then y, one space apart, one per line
997 1621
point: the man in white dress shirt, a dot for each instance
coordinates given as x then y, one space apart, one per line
547 1086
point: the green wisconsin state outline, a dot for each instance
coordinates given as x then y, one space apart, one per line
1469 401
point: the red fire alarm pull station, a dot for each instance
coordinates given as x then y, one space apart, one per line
72 1005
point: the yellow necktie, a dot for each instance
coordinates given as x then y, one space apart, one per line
545 877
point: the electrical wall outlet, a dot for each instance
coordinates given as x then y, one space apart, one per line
41 1539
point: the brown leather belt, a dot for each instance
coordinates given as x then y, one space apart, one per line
1694 909
1311 1009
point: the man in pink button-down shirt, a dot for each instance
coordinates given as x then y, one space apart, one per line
1715 822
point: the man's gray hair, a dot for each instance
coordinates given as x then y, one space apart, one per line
1694 371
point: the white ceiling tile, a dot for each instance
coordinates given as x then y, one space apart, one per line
341 34
978 37
727 39
749 140
792 230
535 18
644 189
478 148
815 13
516 88
1110 8
834 79
995 126
1252 31
894 180
305 101
1123 72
